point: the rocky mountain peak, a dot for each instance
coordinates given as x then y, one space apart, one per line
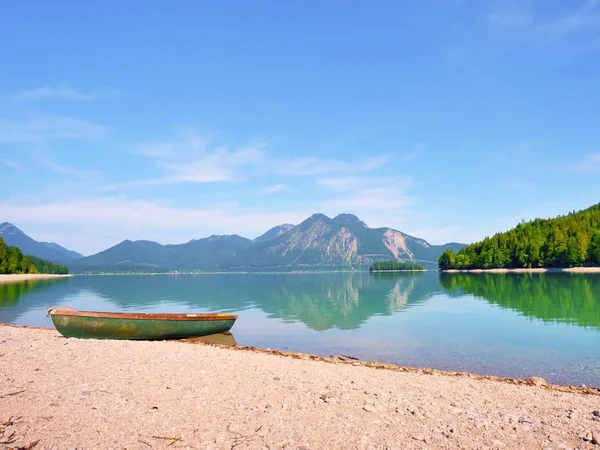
349 219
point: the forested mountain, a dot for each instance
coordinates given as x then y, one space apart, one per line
566 241
344 242
146 256
13 261
51 251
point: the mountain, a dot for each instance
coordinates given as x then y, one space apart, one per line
566 241
13 261
44 250
318 243
342 242
146 256
273 233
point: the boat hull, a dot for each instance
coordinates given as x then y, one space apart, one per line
139 326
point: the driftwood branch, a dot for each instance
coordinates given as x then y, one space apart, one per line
13 393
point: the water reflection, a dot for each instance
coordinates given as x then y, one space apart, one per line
226 339
556 297
17 297
321 301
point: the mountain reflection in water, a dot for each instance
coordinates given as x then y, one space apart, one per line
321 301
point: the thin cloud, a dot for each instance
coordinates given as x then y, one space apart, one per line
520 21
160 150
275 189
62 169
48 127
11 164
317 166
591 163
372 199
60 92
136 219
196 159
352 183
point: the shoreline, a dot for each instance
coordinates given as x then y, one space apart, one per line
349 360
65 393
15 278
528 270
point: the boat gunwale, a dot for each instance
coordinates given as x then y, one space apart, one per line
143 316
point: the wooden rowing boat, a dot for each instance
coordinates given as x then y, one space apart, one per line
142 326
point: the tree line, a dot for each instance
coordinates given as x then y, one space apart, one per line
572 240
13 261
393 265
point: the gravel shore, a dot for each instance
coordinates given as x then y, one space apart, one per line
69 393
28 276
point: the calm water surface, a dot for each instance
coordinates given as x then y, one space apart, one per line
515 325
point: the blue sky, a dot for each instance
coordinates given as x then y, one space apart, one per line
448 120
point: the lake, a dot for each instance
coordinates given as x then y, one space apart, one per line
516 325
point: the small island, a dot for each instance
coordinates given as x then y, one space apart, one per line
394 266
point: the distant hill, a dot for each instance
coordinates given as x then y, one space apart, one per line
210 253
318 243
565 241
45 250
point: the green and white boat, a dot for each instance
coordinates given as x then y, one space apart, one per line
139 326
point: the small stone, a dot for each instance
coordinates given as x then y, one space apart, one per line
478 423
595 438
419 438
370 408
537 381
326 396
585 436
276 378
596 413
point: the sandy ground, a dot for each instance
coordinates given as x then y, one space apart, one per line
28 276
68 393
537 270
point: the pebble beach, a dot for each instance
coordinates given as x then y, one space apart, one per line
58 393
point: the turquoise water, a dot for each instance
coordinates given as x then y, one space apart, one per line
516 325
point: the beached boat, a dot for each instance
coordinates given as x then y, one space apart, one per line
143 326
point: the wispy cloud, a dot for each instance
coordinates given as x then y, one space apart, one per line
198 159
60 92
195 159
62 169
49 127
11 164
275 189
521 21
370 199
351 183
591 163
367 194
140 219
317 166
